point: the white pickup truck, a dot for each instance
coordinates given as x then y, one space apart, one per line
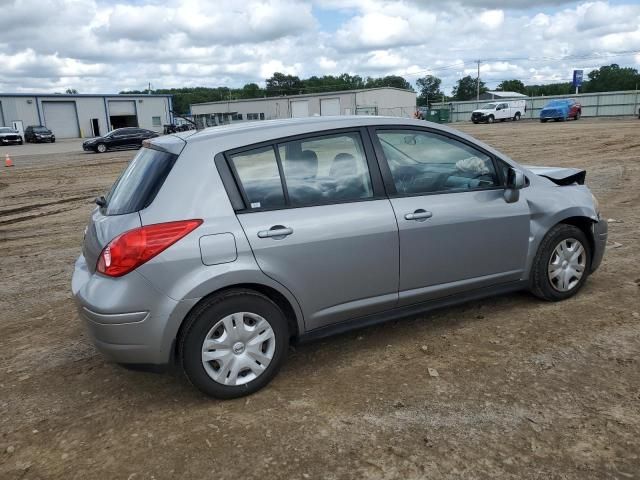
492 111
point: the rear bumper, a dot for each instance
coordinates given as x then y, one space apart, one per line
600 233
128 320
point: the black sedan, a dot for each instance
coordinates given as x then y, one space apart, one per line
119 139
38 133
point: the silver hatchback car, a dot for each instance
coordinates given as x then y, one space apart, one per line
215 249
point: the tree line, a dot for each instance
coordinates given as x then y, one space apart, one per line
604 79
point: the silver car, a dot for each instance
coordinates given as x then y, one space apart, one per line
216 249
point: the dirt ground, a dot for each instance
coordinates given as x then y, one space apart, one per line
526 389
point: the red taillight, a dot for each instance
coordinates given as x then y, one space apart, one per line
128 251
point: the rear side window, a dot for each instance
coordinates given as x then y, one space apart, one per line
140 182
257 171
325 169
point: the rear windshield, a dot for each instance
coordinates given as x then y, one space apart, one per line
139 183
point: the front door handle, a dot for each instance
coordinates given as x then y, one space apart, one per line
277 232
419 215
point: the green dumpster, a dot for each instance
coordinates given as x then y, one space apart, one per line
439 115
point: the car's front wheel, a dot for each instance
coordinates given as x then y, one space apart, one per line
234 343
562 263
101 148
490 119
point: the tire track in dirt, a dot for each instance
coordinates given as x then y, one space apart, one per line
28 208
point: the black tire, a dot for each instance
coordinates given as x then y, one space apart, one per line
490 119
541 286
543 120
101 148
474 121
53 141
20 142
203 318
577 117
516 117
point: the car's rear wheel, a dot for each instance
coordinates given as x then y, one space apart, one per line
101 148
517 116
543 120
234 343
562 263
577 117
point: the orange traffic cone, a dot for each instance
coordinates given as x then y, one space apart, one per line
7 161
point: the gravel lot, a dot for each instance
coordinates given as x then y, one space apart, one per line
526 389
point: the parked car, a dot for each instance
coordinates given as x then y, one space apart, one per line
119 139
505 110
9 136
38 133
213 250
561 110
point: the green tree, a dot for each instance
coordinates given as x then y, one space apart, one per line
251 90
512 86
465 88
281 84
71 91
610 78
429 90
562 88
388 81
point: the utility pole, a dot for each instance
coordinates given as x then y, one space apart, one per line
478 82
149 92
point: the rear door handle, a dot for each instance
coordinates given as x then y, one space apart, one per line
420 215
277 232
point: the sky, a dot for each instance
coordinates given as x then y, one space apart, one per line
100 46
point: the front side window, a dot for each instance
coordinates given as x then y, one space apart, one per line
257 172
423 163
325 169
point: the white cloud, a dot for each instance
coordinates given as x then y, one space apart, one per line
108 46
492 18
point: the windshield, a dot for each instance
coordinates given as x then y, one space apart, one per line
140 182
7 130
41 130
488 106
557 103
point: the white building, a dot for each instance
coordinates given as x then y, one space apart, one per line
80 115
389 101
499 95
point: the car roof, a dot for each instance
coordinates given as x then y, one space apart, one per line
247 133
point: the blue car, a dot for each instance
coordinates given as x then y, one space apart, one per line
561 110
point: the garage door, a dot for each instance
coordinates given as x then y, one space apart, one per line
300 108
122 107
329 106
61 119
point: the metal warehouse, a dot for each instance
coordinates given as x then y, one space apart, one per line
80 115
389 101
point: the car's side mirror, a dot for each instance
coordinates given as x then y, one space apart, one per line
515 181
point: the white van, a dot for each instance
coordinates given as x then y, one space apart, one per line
501 110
